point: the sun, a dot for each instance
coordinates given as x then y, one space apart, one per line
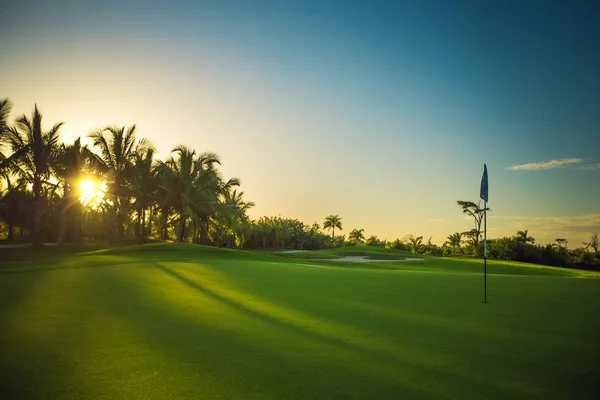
90 191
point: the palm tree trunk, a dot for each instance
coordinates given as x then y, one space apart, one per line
63 220
78 225
150 216
11 233
165 219
63 212
181 229
115 222
37 193
206 229
142 223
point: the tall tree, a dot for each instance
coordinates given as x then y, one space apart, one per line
234 212
73 162
331 223
475 211
144 184
191 183
36 150
117 147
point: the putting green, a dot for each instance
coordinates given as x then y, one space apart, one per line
182 321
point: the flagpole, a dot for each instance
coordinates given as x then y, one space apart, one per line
485 251
483 195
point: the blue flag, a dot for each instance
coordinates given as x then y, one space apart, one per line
483 193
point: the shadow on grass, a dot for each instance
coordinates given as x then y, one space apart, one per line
420 364
279 368
58 266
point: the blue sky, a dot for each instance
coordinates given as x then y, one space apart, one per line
382 112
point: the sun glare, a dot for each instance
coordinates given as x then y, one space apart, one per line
90 191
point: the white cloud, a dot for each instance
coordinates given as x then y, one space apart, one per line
546 164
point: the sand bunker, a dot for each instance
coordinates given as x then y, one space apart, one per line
363 259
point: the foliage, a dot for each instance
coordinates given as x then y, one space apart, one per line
331 223
477 212
356 237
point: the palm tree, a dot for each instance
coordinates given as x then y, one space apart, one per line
475 211
454 241
523 238
283 231
117 148
36 150
415 244
191 183
5 108
234 212
593 243
72 163
142 175
266 229
356 236
13 200
332 222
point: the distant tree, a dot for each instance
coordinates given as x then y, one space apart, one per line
593 243
562 243
501 249
398 245
356 236
454 241
373 241
332 222
265 229
339 241
475 211
415 244
523 238
284 231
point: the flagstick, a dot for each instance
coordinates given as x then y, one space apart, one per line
485 251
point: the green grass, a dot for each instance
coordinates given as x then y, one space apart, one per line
369 252
181 321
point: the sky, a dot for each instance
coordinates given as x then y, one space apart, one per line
383 112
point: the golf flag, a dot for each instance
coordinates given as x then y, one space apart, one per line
483 192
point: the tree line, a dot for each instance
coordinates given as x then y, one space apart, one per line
185 198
